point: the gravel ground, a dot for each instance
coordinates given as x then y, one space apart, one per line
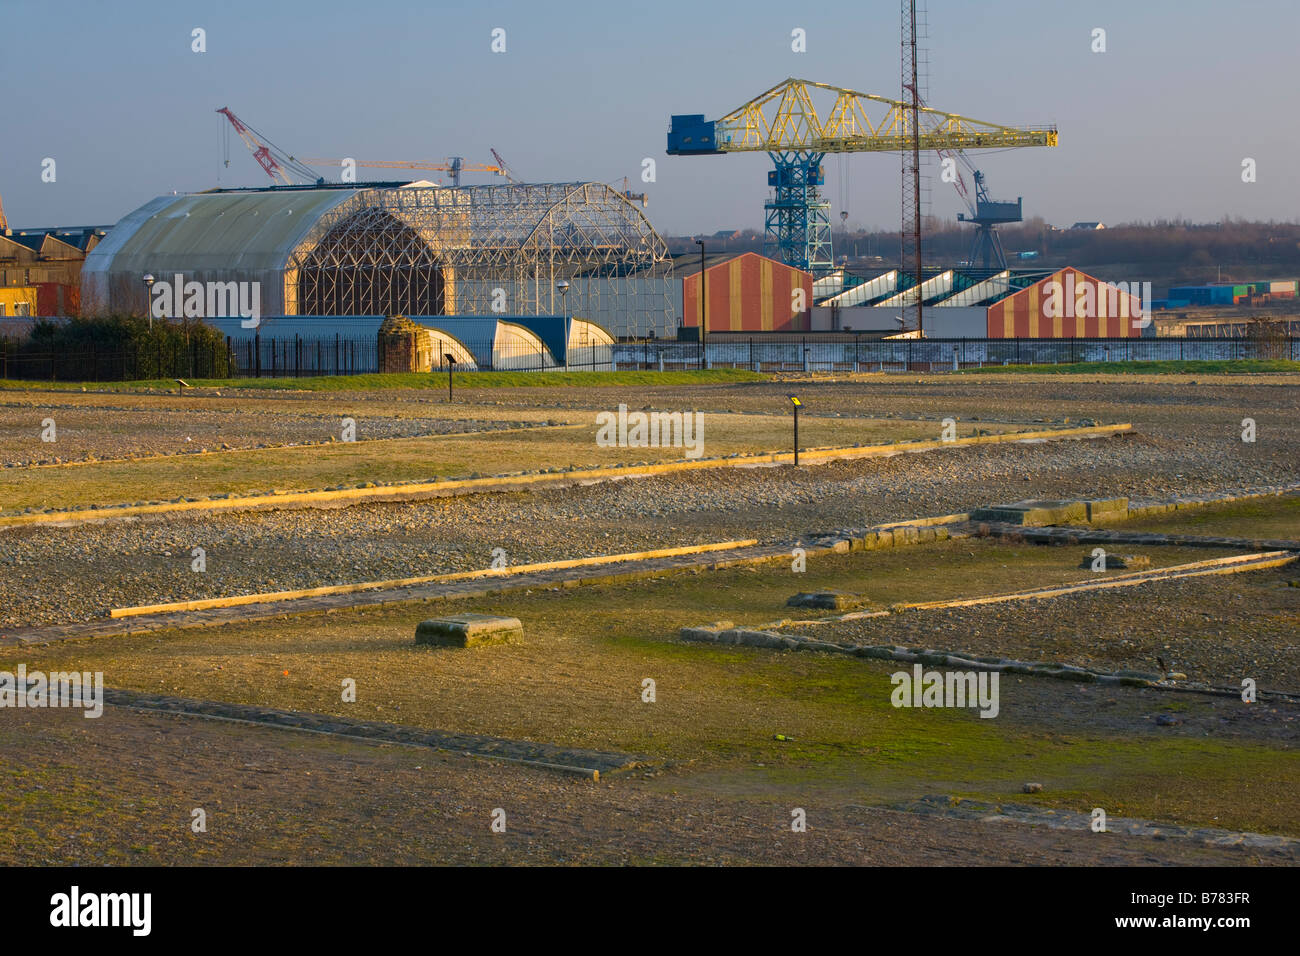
1216 629
1188 441
117 432
80 573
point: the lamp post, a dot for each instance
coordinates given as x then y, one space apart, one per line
451 364
794 400
148 296
704 315
563 286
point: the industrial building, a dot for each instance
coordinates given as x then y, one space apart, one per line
750 293
40 269
399 249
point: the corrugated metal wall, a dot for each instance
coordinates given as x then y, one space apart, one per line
1066 304
749 293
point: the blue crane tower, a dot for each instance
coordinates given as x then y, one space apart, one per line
785 124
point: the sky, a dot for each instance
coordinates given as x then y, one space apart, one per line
1155 127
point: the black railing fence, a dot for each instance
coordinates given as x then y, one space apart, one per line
297 356
855 353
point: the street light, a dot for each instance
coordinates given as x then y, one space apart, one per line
794 400
704 298
563 286
451 364
148 296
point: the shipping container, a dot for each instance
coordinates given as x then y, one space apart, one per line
1194 294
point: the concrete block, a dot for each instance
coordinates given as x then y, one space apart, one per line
1103 509
469 630
1034 514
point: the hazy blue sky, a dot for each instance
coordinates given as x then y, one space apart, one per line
1155 127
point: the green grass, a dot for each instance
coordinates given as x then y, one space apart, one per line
1172 367
421 380
1270 517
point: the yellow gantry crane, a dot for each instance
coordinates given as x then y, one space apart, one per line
784 122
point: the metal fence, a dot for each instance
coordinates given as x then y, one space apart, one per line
858 353
296 356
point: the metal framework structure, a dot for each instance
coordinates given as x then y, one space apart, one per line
480 250
909 232
784 118
987 215
797 221
785 123
454 165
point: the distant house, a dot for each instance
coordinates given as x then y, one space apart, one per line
1089 225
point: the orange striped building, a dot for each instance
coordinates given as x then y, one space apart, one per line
1067 304
749 293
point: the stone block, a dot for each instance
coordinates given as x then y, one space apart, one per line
1107 509
469 630
825 600
1034 514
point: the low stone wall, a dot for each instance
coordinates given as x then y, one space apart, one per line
725 634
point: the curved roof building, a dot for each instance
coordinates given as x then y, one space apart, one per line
396 250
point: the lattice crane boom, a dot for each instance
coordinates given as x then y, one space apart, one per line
454 165
274 161
785 118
